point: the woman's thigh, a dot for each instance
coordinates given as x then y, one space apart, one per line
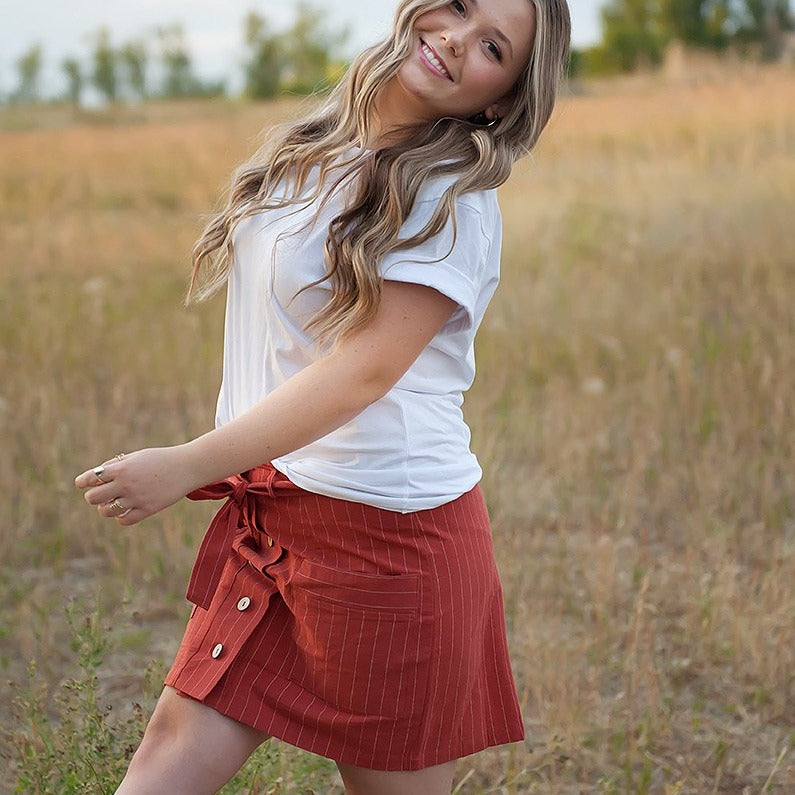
436 780
188 748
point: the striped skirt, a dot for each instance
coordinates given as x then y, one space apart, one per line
371 637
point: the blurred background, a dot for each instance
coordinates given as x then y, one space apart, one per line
633 409
93 52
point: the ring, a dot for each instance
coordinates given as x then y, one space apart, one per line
116 505
98 473
118 456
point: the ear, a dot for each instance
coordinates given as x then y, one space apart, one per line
499 109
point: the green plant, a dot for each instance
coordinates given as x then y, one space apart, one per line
69 741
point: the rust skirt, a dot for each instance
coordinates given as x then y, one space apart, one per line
371 637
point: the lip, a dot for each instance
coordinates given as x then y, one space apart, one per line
429 65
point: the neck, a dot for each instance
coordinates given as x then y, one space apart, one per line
393 110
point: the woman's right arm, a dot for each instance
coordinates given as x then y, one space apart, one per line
317 400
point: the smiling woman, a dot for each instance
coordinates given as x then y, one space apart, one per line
464 43
346 595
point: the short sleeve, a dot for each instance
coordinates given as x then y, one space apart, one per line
454 270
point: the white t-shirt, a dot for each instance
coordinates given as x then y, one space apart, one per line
409 450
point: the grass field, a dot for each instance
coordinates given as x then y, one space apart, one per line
634 415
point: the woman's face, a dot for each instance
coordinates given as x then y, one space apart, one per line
466 58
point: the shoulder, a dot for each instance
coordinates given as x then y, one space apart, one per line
474 207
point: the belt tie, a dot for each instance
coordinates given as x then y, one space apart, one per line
239 511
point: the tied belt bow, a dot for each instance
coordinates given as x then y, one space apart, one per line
238 512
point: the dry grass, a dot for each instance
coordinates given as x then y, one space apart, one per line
634 415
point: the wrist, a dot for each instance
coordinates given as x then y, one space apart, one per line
198 464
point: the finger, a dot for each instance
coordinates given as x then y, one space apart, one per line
103 473
115 509
95 476
89 478
96 495
131 518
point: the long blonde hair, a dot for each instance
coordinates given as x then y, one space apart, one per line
387 180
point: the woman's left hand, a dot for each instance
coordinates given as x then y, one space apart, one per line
133 486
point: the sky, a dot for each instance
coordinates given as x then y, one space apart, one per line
213 28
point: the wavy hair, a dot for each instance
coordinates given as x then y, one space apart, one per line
387 179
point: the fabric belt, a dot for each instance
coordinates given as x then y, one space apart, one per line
239 511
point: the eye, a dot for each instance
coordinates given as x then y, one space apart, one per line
494 50
458 7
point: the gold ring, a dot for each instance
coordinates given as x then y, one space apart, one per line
116 505
98 473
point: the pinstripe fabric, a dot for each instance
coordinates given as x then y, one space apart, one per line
367 636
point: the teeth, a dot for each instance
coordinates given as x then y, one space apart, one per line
434 60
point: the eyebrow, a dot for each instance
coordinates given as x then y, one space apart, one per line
497 32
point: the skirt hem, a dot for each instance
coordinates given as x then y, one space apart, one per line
359 758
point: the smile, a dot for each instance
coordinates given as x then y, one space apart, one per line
432 61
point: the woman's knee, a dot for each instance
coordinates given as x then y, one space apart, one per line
161 736
186 735
170 719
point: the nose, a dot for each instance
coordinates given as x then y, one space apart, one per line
452 40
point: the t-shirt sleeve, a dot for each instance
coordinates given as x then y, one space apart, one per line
454 270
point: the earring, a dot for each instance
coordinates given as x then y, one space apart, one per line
482 120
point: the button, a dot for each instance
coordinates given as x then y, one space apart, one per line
243 604
219 647
270 541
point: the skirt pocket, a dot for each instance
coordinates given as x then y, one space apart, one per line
391 593
362 645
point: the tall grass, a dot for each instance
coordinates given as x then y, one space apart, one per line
633 413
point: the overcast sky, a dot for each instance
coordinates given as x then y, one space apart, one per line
213 28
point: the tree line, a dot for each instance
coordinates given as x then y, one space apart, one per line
305 57
635 33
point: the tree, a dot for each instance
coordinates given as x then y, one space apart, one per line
74 77
134 57
265 63
29 69
105 73
178 80
311 50
763 22
702 23
633 34
716 23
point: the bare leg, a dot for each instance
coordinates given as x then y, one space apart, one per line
436 780
188 749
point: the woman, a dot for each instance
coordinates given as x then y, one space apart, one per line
346 597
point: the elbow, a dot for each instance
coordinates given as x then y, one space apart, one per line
364 370
362 383
375 381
